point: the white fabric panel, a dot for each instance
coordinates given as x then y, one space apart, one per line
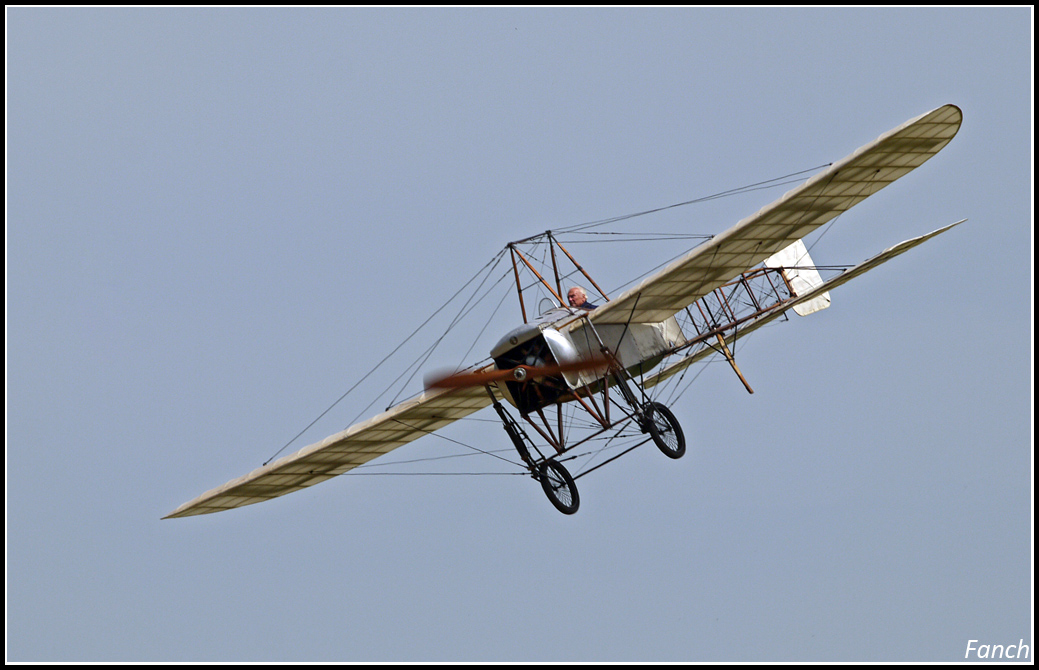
801 275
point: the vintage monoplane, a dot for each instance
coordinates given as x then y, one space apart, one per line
601 361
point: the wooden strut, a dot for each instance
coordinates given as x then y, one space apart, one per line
587 401
715 330
519 287
603 421
555 266
556 291
547 435
578 266
538 275
732 361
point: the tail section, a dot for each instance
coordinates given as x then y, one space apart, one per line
801 276
808 292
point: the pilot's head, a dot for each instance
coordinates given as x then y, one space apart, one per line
576 296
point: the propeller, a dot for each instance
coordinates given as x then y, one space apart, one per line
519 373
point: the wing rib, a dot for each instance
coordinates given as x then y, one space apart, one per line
343 451
800 211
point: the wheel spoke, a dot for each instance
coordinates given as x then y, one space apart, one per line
665 431
559 487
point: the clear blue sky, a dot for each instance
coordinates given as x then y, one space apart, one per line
218 220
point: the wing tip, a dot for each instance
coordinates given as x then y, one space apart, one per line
177 513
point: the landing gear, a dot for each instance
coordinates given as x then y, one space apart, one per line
653 418
559 487
663 427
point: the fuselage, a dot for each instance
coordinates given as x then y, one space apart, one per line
563 335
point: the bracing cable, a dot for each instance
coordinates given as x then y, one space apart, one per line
489 268
490 263
770 183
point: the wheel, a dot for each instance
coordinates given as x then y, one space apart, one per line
559 487
665 431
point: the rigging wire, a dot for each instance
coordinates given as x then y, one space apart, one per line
577 229
770 183
429 459
480 334
422 357
351 473
462 313
444 437
494 260
654 268
662 238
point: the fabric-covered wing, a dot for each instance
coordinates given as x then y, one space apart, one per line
799 212
846 276
343 451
